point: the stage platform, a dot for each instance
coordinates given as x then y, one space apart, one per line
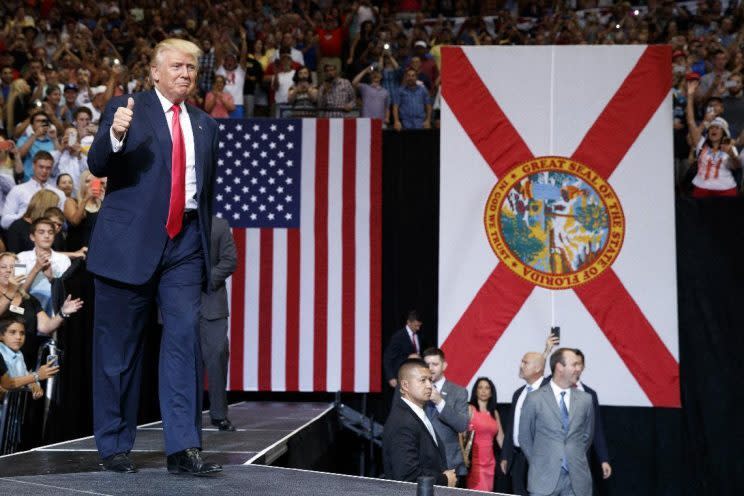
262 431
266 432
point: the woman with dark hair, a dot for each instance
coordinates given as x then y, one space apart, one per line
303 94
485 422
717 157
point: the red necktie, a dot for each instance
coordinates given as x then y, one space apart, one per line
178 178
415 345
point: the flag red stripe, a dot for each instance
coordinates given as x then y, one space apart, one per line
348 256
320 333
266 285
375 260
292 354
483 323
633 337
628 112
479 115
237 313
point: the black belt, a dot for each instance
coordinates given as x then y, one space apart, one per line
189 215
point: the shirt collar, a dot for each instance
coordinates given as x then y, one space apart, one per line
167 104
557 390
440 384
417 409
535 385
8 353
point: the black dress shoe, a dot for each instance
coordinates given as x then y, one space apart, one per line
189 461
223 425
119 462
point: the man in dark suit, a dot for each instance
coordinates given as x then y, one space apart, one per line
151 243
448 411
410 446
599 445
213 323
555 431
403 343
513 461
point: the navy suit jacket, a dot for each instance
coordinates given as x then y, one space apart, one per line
396 352
408 450
129 236
600 442
507 451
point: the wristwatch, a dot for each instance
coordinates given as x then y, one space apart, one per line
36 377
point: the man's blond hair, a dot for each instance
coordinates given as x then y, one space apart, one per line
178 45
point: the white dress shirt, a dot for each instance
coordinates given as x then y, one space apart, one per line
518 409
422 415
188 138
41 287
557 393
20 195
66 163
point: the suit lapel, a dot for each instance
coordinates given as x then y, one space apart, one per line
423 425
156 116
549 398
198 130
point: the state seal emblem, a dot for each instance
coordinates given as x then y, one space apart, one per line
554 222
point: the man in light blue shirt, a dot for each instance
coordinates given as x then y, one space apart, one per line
40 140
411 104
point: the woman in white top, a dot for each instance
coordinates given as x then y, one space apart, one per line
716 156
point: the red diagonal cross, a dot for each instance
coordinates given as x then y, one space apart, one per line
603 148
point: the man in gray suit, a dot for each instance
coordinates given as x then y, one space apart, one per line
448 411
555 431
213 322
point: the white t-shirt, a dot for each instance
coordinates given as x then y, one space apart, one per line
234 81
713 169
285 82
41 287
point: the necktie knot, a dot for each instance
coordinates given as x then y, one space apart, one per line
176 109
530 389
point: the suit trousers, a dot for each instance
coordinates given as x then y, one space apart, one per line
121 315
215 353
563 488
518 472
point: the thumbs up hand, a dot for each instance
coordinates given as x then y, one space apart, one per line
123 119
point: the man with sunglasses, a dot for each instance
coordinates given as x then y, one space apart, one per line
39 140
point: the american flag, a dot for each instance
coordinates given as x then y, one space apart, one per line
303 198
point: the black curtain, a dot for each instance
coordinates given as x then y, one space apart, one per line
710 268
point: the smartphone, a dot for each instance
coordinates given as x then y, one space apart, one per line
53 361
95 187
557 331
19 270
72 136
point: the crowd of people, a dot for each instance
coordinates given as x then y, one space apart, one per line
436 429
64 60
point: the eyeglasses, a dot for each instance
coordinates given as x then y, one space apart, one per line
41 121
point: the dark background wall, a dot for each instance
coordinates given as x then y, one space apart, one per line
693 450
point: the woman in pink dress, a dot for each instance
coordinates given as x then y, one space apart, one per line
485 422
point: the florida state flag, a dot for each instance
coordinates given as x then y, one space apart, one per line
557 208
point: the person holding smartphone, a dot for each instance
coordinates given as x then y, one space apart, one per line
39 140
